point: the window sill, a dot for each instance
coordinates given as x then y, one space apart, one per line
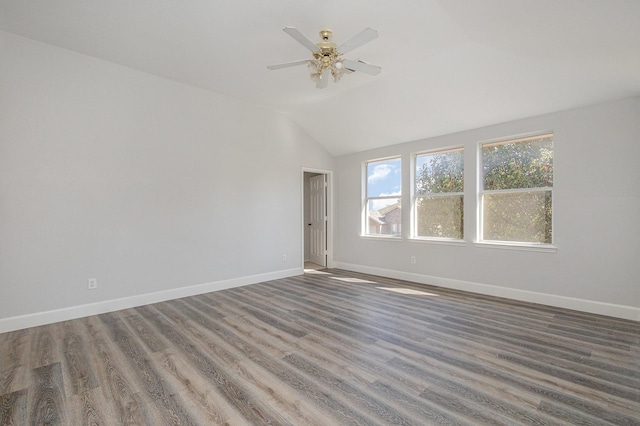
544 248
381 237
442 241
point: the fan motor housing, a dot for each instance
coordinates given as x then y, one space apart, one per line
327 52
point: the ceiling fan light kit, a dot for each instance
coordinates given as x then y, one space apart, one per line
327 56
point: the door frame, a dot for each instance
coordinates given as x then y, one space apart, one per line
329 205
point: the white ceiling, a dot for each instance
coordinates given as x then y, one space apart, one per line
447 65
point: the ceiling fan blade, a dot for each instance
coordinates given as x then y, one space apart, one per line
363 37
324 81
287 64
361 66
300 38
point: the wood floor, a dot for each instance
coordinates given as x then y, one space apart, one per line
328 347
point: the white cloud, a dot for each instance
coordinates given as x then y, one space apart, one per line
380 172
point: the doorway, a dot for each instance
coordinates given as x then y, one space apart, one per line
316 219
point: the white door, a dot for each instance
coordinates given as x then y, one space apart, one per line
318 220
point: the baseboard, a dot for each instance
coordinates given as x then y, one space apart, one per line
608 309
49 317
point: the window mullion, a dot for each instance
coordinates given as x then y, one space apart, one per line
439 194
515 190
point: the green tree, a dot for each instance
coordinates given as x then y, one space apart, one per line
523 216
439 202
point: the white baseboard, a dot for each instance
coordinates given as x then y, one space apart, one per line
48 317
601 308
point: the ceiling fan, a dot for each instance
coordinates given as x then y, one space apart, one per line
327 56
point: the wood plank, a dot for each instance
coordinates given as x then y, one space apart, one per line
147 375
121 399
48 404
13 407
304 390
233 390
44 345
14 354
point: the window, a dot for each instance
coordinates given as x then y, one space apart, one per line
383 209
516 190
439 195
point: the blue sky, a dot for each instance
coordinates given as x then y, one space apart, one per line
384 178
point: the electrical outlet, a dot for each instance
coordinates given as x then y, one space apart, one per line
92 283
284 257
413 259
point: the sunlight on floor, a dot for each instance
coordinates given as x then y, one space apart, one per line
407 291
399 290
352 280
316 272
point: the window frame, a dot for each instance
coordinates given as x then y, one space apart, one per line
518 245
366 199
415 197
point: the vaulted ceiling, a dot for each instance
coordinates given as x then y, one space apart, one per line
447 65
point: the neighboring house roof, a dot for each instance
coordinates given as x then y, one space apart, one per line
385 210
380 214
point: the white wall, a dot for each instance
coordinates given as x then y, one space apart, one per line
146 184
596 207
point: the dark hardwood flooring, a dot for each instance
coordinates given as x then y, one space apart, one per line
329 347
